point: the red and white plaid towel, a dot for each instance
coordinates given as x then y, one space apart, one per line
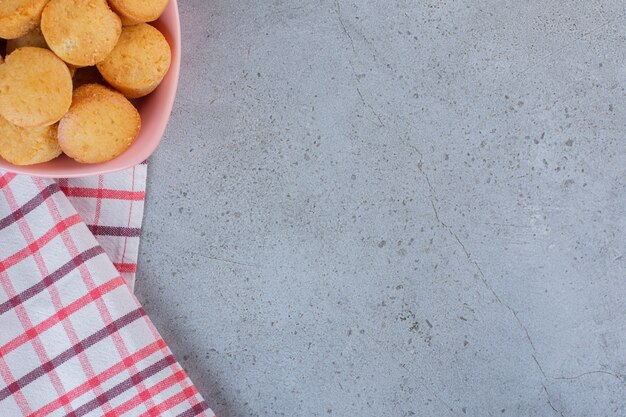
74 341
112 207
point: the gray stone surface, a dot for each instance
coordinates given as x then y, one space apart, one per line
395 208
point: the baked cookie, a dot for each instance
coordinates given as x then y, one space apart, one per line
138 62
138 11
32 38
35 87
100 125
91 90
18 17
27 146
80 32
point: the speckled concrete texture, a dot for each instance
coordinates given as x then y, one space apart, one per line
395 208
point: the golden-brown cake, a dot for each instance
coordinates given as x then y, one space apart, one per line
100 125
138 62
32 38
18 17
27 146
80 32
35 87
137 11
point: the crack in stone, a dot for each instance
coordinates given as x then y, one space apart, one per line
548 57
232 261
550 402
525 331
433 193
614 375
369 105
481 274
539 365
229 261
345 30
343 26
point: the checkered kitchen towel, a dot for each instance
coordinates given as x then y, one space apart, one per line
74 341
112 207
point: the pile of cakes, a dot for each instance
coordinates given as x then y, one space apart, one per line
70 68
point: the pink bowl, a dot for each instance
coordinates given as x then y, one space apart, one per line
155 111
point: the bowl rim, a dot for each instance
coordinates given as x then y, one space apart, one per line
167 104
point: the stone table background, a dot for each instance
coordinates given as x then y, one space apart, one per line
395 208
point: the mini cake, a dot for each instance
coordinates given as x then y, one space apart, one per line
32 38
35 87
138 62
138 11
27 146
80 32
100 125
18 17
